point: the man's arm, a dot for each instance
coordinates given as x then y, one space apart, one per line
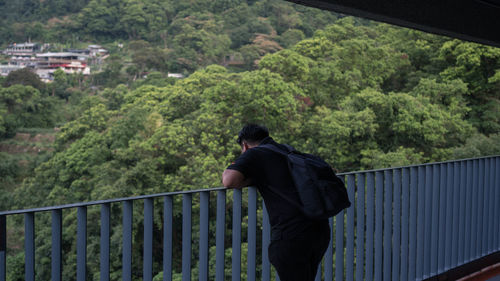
234 179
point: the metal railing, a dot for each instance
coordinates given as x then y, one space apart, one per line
407 223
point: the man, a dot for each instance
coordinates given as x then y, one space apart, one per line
297 243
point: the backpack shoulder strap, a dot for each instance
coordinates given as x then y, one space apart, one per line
278 150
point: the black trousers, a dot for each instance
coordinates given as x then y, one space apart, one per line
297 258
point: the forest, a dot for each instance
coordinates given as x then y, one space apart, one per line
360 94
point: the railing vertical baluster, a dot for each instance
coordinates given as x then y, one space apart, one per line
442 221
480 208
81 244
360 227
449 215
266 237
456 216
3 247
167 237
405 218
420 222
29 246
463 198
379 220
351 188
469 229
491 205
328 260
105 239
370 200
186 236
219 235
148 240
387 242
236 243
412 243
428 221
475 209
204 229
252 233
396 227
339 246
485 204
434 221
496 228
56 272
472 185
127 241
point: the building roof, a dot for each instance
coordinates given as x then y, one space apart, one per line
474 20
61 55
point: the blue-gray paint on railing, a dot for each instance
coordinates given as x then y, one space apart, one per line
436 210
29 246
360 228
456 214
443 203
486 194
450 209
339 246
81 243
219 235
127 241
387 232
449 215
105 239
204 229
3 247
266 237
370 203
468 216
420 223
463 198
328 259
236 243
412 244
427 221
186 237
491 210
56 251
147 268
496 228
396 227
405 223
480 208
167 237
252 234
351 188
379 222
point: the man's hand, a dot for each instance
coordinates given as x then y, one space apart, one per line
234 179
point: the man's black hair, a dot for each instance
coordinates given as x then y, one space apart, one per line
252 133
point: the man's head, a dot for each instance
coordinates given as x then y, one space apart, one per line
251 135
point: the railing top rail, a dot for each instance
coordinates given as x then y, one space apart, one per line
417 165
115 200
100 202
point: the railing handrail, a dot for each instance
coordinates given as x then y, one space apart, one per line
140 197
106 201
417 165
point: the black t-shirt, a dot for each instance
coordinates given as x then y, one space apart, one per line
268 171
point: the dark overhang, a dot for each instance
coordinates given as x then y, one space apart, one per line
472 20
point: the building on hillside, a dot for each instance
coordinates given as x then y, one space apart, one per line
6 69
48 63
96 50
23 50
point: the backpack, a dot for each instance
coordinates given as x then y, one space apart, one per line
321 192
